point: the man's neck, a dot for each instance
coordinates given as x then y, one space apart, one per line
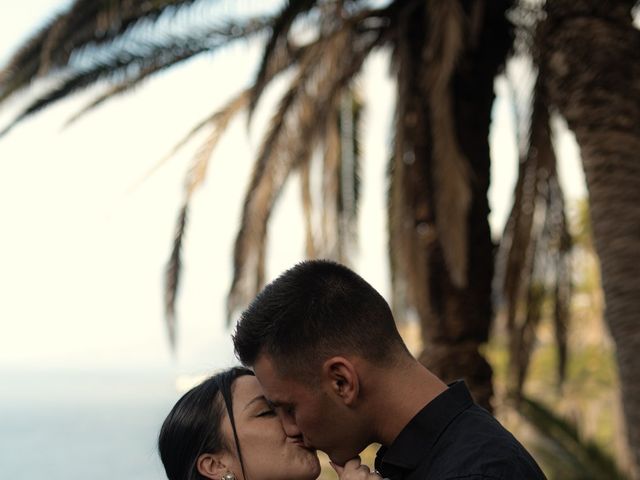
399 394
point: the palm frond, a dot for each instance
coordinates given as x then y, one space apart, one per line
450 167
294 129
331 186
307 208
562 298
268 178
195 176
172 275
557 254
85 22
340 178
137 62
219 122
411 219
114 90
279 33
349 188
534 263
584 459
523 338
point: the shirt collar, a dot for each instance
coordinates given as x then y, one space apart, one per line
419 436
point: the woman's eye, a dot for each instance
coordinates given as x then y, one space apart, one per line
266 413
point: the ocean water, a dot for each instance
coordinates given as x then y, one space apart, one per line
80 425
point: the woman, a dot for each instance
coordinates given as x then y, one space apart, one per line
224 429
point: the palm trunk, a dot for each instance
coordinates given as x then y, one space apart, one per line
464 316
455 320
590 62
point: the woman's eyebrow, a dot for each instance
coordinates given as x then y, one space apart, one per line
254 400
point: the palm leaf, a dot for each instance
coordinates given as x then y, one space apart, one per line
307 208
411 221
583 459
236 103
535 249
292 135
331 187
562 299
349 185
85 22
279 33
172 276
195 177
137 62
450 167
219 122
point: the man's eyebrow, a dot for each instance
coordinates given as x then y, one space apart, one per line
254 400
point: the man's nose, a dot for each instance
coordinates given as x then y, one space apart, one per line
290 426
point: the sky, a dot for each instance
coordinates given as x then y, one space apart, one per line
84 241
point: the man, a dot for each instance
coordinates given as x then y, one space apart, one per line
324 346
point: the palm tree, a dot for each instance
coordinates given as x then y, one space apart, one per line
587 52
445 56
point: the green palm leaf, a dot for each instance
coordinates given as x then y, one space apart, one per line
574 456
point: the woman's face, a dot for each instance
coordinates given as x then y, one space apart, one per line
268 454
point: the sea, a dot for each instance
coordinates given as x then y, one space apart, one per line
67 425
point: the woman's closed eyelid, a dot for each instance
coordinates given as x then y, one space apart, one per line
265 413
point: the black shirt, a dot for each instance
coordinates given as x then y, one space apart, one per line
453 438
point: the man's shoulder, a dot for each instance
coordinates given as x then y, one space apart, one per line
452 437
476 445
477 431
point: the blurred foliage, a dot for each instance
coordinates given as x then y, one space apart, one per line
573 429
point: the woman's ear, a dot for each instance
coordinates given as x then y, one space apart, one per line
211 465
343 379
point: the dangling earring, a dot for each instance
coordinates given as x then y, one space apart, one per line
228 476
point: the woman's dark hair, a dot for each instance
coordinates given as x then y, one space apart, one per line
193 426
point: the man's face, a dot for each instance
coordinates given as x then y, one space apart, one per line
314 414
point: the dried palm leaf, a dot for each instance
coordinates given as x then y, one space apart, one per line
307 208
411 221
534 255
195 177
219 122
279 34
349 187
450 167
293 133
560 249
331 187
172 276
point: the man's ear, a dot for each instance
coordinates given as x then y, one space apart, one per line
212 465
342 377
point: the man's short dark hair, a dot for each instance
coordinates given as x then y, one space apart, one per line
313 311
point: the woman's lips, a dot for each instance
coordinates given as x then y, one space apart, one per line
298 442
